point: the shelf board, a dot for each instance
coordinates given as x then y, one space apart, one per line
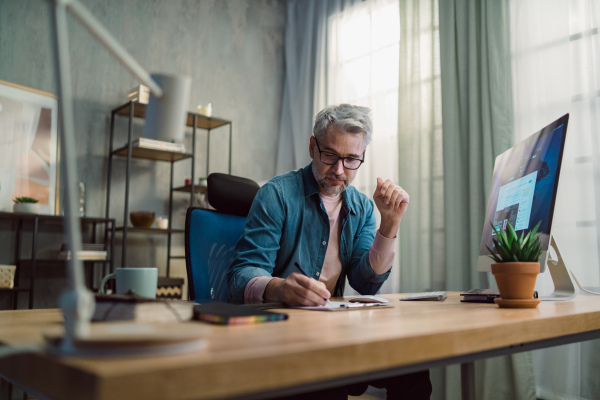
188 188
48 217
151 154
177 257
59 261
202 121
137 229
15 289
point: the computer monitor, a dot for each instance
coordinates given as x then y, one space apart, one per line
524 189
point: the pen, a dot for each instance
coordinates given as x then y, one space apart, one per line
297 264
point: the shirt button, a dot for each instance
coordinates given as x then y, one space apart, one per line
324 243
317 273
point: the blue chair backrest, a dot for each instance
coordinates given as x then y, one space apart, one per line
210 242
211 235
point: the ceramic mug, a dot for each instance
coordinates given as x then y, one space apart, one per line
139 281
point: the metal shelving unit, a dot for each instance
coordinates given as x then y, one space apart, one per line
31 223
132 110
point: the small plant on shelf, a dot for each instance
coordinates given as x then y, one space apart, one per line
26 205
25 199
512 248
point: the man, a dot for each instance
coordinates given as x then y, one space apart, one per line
315 218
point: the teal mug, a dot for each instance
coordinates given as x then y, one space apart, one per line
139 281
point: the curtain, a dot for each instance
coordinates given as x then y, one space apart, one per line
477 126
420 148
556 69
303 36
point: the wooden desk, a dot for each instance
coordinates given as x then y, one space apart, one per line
310 350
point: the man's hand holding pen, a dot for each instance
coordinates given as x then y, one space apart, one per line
297 290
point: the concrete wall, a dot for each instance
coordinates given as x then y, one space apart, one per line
232 49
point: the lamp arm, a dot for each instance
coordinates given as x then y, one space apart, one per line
110 43
76 302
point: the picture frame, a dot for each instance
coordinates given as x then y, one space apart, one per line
29 147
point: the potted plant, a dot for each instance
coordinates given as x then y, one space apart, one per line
516 267
27 205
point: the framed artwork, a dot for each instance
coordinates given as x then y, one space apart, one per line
29 147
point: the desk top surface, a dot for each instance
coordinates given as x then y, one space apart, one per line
309 346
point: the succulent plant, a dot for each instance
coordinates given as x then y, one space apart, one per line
25 199
512 248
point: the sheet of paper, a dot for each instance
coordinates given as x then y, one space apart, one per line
341 305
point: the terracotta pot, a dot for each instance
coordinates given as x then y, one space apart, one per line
516 280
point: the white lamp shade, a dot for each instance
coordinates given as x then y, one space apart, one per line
166 116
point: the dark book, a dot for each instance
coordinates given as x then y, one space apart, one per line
480 296
233 314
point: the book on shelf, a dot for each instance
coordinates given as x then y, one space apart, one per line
84 255
146 143
89 251
121 307
140 93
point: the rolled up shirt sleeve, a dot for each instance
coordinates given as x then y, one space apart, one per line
381 254
255 289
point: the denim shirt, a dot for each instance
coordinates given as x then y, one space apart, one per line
288 223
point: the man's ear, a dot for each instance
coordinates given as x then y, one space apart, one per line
311 147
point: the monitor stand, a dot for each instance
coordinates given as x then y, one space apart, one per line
563 283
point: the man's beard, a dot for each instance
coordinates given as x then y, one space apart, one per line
325 186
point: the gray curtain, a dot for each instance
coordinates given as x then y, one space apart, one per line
422 264
302 37
304 92
477 126
477 123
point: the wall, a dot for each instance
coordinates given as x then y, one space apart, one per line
232 49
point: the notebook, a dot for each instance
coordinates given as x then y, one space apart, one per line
232 314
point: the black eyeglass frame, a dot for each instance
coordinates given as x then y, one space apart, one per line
339 157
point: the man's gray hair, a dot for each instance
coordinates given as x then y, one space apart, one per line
347 118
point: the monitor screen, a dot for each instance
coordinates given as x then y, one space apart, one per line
524 188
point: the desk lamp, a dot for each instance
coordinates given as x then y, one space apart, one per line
166 115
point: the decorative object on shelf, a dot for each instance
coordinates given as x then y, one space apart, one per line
29 146
26 205
162 222
140 94
7 276
169 288
516 266
205 110
202 182
187 181
142 219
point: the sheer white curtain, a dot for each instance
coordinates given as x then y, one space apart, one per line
359 65
556 69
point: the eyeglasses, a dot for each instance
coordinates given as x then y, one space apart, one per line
332 158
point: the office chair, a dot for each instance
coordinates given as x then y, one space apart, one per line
211 235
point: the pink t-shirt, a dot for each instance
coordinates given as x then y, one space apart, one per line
381 255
